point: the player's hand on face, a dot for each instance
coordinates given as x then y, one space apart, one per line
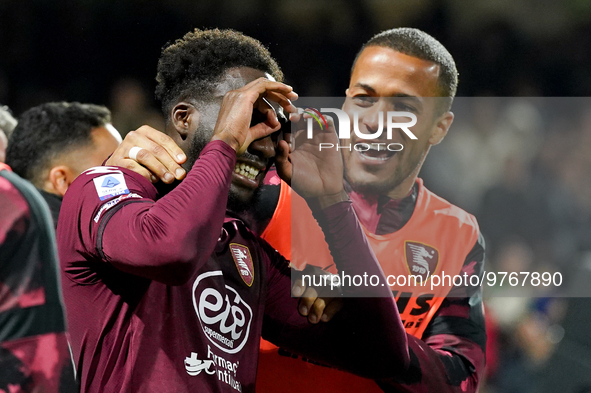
317 173
233 123
159 158
283 157
316 303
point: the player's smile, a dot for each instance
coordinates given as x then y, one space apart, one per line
249 173
374 152
373 155
376 155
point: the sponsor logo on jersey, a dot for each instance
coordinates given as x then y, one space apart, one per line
224 316
194 366
110 185
243 261
421 259
225 369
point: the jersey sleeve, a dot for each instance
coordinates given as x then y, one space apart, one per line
450 357
34 353
366 336
15 276
118 219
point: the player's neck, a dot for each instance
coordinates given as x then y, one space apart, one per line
405 188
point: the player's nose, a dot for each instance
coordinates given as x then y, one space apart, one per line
264 147
371 121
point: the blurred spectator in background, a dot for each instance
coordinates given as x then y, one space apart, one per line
53 143
130 107
7 124
34 352
491 130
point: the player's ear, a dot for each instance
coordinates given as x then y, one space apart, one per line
184 117
442 124
59 179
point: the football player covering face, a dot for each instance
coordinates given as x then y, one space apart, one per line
194 131
386 80
190 129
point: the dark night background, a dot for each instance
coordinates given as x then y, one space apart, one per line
77 50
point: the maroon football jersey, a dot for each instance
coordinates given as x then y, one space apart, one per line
131 333
169 294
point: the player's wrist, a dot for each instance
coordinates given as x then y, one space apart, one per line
227 138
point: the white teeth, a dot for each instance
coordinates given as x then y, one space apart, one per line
246 171
365 156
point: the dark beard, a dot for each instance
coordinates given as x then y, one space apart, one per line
200 140
238 205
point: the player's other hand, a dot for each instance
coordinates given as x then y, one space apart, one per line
233 123
316 303
316 173
159 158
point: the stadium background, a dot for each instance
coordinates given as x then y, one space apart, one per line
533 201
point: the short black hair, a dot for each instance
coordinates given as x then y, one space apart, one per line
417 43
189 67
46 131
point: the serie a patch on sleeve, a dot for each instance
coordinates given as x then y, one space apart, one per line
110 185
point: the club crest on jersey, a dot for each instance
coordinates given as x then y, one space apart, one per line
243 261
421 259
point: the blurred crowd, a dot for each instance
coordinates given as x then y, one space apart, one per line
521 165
